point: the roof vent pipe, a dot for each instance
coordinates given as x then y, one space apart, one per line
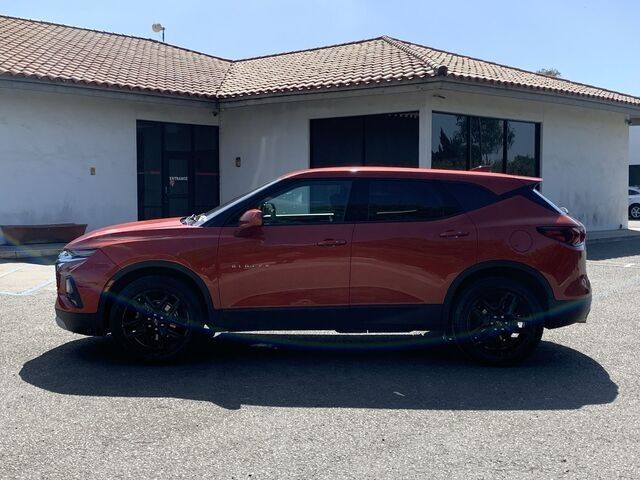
442 71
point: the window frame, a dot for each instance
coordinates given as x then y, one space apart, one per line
505 146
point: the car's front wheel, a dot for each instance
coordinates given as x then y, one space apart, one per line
497 321
634 211
155 318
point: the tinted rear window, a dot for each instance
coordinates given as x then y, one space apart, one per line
407 200
540 199
469 196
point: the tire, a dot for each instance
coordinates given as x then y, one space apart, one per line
634 211
497 321
156 318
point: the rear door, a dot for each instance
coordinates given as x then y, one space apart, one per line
412 241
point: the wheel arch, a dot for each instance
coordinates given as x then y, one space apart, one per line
137 270
509 269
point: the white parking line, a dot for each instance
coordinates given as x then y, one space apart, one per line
29 291
4 274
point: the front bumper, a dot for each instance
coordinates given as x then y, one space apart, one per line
80 286
567 312
83 323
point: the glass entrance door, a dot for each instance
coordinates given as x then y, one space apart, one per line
178 169
177 164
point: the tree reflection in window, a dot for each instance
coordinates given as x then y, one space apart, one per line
462 142
521 151
449 139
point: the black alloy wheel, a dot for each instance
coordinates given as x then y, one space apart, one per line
498 322
155 318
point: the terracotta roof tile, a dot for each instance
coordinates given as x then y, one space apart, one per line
359 63
53 52
468 68
48 51
383 60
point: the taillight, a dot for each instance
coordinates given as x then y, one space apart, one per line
573 236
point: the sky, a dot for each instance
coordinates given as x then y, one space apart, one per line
594 42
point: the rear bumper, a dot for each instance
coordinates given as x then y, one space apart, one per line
83 323
567 312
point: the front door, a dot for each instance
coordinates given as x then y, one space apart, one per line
300 256
178 170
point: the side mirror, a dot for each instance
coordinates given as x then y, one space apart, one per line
249 222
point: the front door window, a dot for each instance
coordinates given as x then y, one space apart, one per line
310 203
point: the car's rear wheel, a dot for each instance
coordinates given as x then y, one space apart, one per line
155 318
634 211
497 321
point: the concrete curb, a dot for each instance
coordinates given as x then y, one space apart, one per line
624 235
11 252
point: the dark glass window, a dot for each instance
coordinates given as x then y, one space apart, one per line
178 169
449 141
149 146
206 168
337 142
312 202
406 200
634 174
521 148
463 142
486 144
378 140
468 195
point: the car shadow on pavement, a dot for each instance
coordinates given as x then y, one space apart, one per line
328 371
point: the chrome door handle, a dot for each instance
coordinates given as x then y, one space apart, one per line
330 242
453 234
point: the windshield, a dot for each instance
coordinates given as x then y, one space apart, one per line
205 217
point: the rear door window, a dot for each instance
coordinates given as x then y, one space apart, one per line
407 201
469 195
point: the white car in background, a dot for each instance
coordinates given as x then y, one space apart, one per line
634 203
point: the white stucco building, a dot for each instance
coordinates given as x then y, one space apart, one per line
101 128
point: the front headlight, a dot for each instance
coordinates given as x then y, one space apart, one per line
67 256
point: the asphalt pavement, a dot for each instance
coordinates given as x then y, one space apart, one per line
322 405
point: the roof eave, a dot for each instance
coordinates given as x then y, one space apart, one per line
67 87
395 86
537 94
439 82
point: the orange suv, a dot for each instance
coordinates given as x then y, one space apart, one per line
483 258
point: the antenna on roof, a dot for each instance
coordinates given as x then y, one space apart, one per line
157 27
